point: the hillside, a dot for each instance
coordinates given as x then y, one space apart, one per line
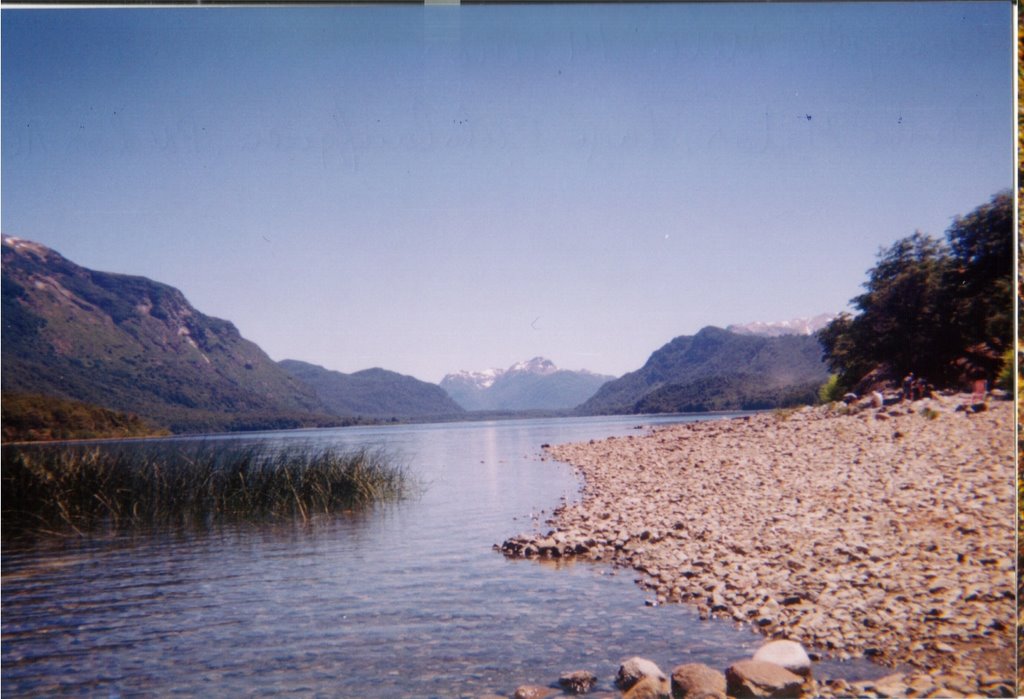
536 384
717 370
28 418
130 344
375 393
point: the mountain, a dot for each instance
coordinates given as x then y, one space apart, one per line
373 393
130 344
796 326
717 370
536 384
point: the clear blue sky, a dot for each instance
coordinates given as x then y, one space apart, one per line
432 189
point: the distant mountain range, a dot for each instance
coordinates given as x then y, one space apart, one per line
717 370
797 326
132 345
536 384
375 393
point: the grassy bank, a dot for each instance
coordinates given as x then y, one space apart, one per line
80 488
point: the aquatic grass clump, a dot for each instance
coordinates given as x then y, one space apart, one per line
79 488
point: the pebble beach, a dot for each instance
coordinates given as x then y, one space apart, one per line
857 531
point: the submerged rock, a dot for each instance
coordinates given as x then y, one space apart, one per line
577 682
533 691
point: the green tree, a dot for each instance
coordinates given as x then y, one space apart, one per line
842 350
941 309
900 320
980 280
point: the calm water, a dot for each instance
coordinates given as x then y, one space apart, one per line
401 600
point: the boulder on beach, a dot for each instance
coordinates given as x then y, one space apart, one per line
756 679
788 654
648 688
635 669
697 681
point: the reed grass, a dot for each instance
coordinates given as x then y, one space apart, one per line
80 488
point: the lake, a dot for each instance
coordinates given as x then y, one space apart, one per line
399 600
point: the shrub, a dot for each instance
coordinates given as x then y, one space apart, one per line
831 391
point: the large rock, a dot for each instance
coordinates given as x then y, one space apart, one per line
697 681
578 682
788 654
635 669
757 679
648 688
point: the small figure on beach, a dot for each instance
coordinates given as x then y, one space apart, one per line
921 389
907 386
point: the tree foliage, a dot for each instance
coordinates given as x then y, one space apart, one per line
981 277
942 309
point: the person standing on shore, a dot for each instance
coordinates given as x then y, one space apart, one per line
908 386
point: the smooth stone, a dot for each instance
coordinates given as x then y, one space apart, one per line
635 669
649 688
757 679
697 681
788 654
891 686
533 691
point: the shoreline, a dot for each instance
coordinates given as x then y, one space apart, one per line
881 532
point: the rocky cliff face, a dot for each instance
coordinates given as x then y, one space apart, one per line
128 343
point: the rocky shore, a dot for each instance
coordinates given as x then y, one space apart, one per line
884 531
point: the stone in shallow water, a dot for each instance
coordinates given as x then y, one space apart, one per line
788 654
635 669
533 691
697 681
577 682
756 679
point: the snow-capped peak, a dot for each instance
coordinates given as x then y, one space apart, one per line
796 326
482 379
537 365
487 377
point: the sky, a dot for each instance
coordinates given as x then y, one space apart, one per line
428 189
